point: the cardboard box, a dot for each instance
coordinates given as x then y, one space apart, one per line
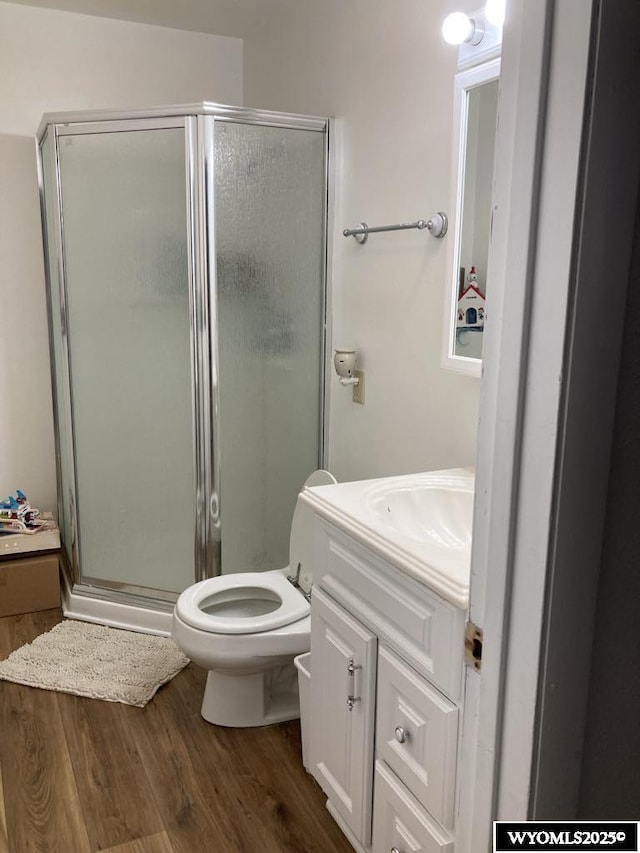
29 584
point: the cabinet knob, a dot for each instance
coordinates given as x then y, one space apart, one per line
401 734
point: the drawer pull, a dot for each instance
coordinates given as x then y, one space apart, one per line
394 850
351 668
351 672
402 735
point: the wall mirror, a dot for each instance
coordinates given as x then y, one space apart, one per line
476 112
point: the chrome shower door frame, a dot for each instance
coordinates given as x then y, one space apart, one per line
61 408
205 373
199 122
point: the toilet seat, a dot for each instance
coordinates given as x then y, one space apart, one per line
232 604
257 602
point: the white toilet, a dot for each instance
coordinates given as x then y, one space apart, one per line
246 629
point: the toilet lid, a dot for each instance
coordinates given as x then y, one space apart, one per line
243 603
301 537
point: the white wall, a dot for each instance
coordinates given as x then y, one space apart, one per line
26 424
383 70
52 61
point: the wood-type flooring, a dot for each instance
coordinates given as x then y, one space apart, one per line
79 775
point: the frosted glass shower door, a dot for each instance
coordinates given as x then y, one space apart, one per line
270 195
128 309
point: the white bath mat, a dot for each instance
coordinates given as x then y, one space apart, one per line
95 661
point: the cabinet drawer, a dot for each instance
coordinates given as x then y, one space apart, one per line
407 615
416 734
399 822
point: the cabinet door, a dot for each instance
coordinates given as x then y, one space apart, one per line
400 822
343 660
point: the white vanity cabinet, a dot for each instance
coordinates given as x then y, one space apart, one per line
387 665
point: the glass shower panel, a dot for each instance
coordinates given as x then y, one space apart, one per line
126 271
269 215
62 403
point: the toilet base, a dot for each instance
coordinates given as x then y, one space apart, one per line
256 699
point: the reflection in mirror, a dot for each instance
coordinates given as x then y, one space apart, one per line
482 111
476 117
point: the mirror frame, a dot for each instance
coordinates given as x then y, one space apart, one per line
465 81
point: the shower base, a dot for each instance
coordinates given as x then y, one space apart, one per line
115 609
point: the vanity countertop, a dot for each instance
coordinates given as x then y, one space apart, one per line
419 522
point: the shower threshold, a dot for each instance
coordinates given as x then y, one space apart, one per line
116 608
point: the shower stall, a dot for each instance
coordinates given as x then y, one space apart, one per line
185 255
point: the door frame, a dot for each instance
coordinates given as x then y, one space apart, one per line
562 226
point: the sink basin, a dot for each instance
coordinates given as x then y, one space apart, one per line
432 509
421 523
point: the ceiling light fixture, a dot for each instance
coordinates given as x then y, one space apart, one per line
494 12
458 28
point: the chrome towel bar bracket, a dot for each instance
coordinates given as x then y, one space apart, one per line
436 226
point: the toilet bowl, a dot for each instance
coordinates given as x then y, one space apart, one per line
246 628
